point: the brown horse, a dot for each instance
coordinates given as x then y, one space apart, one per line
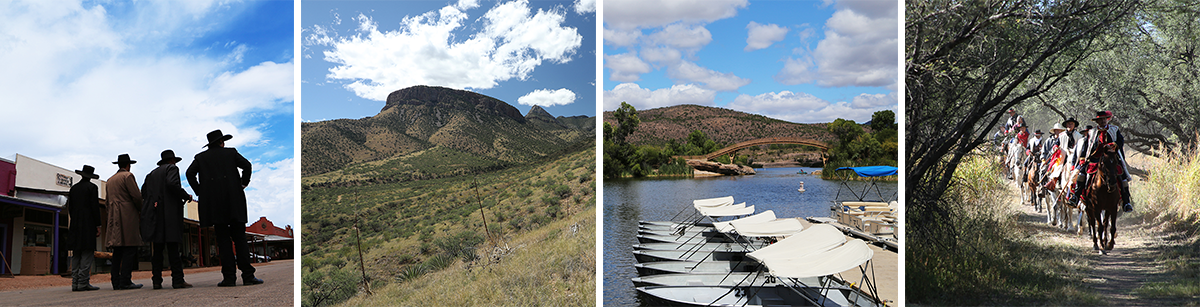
1032 187
1102 202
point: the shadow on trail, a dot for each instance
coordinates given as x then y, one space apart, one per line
1131 274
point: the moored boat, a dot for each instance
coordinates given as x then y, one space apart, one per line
679 267
778 295
686 255
711 279
659 238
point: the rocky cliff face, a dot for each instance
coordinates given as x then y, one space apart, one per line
451 98
719 168
423 117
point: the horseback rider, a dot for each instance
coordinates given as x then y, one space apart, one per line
1052 151
1015 121
1105 137
1033 152
1071 134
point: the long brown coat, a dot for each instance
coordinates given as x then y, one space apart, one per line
124 210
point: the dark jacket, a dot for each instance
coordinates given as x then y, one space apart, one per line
219 188
84 206
164 222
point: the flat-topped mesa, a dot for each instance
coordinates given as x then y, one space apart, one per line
451 98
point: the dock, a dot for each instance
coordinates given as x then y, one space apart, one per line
885 262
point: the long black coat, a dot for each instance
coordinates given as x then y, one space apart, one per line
219 188
83 203
163 186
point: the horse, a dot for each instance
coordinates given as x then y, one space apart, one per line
1103 201
1031 189
1013 159
1063 213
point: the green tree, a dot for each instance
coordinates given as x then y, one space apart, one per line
627 122
619 156
968 61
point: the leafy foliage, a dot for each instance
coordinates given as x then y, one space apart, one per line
967 62
857 147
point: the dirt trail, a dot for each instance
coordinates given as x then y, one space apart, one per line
1113 277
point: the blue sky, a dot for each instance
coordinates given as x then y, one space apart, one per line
356 52
85 81
801 61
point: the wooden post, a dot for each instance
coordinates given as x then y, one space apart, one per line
362 267
479 200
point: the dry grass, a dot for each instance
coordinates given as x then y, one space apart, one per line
990 258
1170 198
552 266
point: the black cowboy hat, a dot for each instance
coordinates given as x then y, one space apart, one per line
216 136
1103 114
123 159
88 172
1070 120
1039 131
168 156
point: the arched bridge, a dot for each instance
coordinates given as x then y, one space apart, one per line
757 142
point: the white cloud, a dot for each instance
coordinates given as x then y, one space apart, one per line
585 6
621 38
865 100
81 87
796 71
689 72
631 14
626 67
682 36
859 49
646 99
777 103
464 5
548 98
806 108
662 55
271 192
423 51
761 36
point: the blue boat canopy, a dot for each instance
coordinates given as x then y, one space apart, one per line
872 171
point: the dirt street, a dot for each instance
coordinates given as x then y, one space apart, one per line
56 291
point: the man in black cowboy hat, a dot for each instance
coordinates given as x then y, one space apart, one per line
83 205
223 204
1105 137
1035 149
162 218
1072 133
124 223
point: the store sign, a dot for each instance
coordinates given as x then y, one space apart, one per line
64 180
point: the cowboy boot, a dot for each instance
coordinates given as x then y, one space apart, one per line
1080 183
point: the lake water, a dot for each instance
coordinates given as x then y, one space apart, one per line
627 201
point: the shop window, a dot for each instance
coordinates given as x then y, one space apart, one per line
38 236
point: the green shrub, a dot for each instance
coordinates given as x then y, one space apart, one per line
524 192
